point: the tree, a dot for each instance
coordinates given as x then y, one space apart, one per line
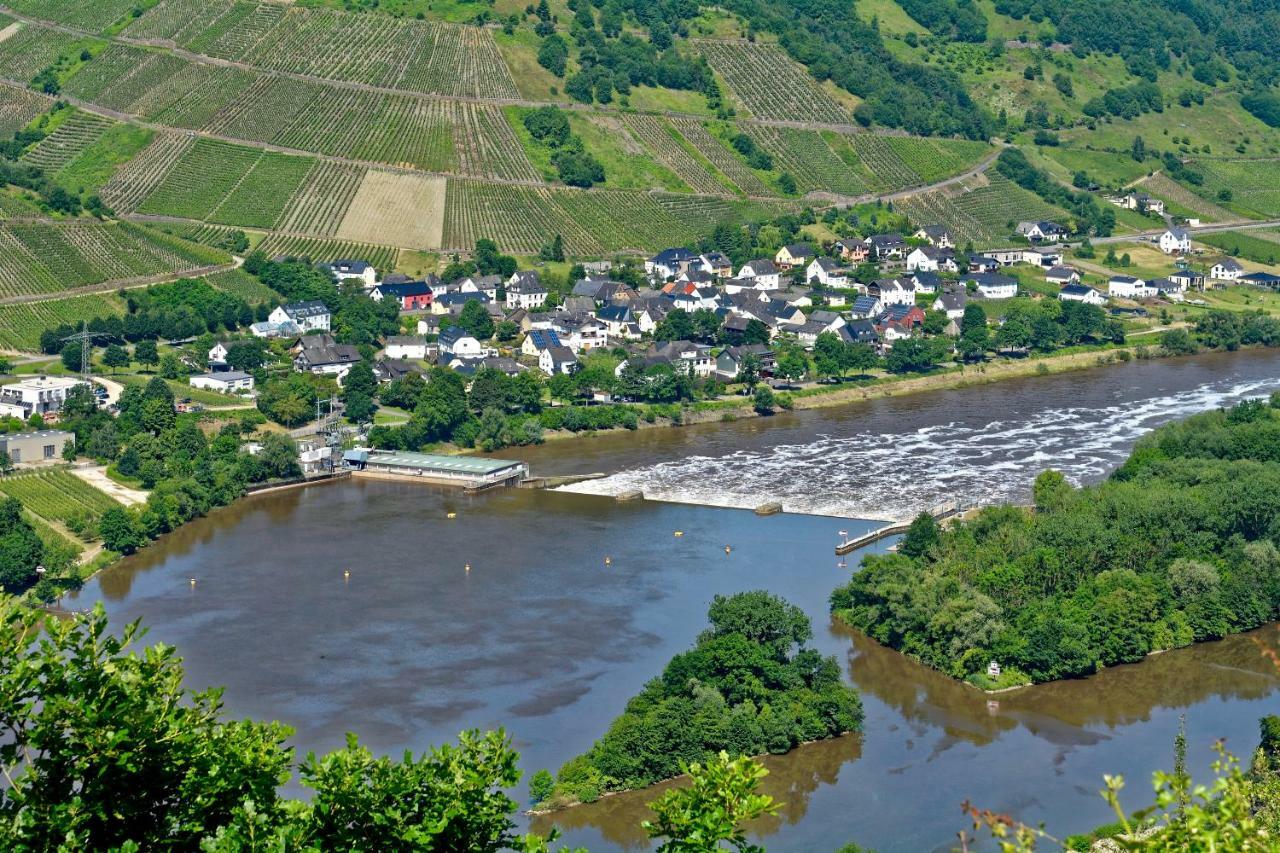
279 456
922 535
145 352
913 355
829 358
749 371
1138 151
115 356
6 366
553 53
475 318
975 337
935 322
171 367
358 390
119 531
71 355
756 332
1178 342
1051 491
792 365
762 400
721 797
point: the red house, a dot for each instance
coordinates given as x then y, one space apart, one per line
412 295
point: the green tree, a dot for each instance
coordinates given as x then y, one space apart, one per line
721 797
115 356
475 318
762 400
541 784
553 54
792 365
71 354
145 352
829 355
119 531
1051 491
358 390
749 371
923 534
975 337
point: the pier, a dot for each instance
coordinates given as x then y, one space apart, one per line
894 528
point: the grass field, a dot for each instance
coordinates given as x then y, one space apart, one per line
97 164
1181 201
402 210
74 135
41 258
21 324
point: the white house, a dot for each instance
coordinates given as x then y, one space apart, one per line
894 292
1062 275
539 340
1037 232
931 259
1128 287
557 359
38 395
936 235
218 354
312 316
526 290
952 304
362 270
1175 241
228 382
995 286
669 263
826 272
1077 292
765 273
456 340
1227 269
406 346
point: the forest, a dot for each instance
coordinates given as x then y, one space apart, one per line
748 686
1178 546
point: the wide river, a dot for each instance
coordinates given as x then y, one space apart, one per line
544 638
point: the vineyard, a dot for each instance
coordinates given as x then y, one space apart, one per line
807 157
720 156
985 212
30 49
1254 184
322 199
92 15
18 107
668 147
22 323
260 197
140 177
56 495
403 210
882 161
1162 186
239 283
932 160
42 258
72 137
416 56
278 245
769 84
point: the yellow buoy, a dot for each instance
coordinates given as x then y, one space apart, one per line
346 574
467 567
608 561
451 515
193 581
727 549
679 532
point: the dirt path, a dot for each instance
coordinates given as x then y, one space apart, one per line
119 284
96 476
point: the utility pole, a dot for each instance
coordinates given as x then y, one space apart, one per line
86 347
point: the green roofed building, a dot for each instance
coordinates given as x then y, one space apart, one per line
472 472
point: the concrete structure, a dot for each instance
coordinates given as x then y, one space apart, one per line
226 382
46 445
470 472
36 396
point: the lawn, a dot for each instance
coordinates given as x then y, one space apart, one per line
627 165
97 163
520 51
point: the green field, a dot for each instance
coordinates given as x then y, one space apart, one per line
97 163
382 257
1254 185
769 84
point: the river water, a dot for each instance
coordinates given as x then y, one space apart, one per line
541 636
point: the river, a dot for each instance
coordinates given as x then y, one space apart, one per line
541 636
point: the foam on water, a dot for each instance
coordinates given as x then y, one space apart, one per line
890 476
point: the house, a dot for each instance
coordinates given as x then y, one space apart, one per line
327 359
1175 241
624 322
669 263
1041 231
764 271
925 282
361 270
866 306
454 301
794 255
887 246
1261 279
46 445
586 333
1227 269
1076 292
891 291
486 284
859 332
1061 275
716 264
1128 287
456 340
981 263
1189 279
729 362
852 250
557 359
931 259
951 303
308 316
695 358
898 321
407 346
39 395
226 382
538 341
389 369
1168 288
412 295
1042 256
826 272
936 235
218 355
1140 202
526 290
994 285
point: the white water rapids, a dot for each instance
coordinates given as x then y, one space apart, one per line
895 475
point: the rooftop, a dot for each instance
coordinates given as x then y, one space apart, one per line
435 462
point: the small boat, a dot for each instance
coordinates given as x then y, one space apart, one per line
451 515
679 533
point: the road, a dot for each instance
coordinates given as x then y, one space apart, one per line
1240 225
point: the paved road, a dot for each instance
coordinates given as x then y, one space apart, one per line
1240 225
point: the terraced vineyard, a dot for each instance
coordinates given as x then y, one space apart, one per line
1162 186
418 56
322 199
92 15
14 204
30 49
18 107
43 258
275 245
22 323
807 157
239 283
486 145
932 160
140 177
519 218
769 84
720 156
984 210
882 161
1254 184
56 495
260 197
73 136
667 146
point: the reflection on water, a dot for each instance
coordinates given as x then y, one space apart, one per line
546 639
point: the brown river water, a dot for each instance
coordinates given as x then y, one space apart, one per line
543 638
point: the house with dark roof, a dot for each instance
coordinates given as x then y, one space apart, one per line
553 360
1077 292
935 235
794 255
526 290
887 246
457 341
1041 231
669 263
539 340
859 332
327 360
345 268
866 306
412 295
730 360
308 316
